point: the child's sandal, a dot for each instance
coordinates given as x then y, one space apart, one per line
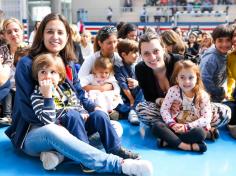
214 134
202 147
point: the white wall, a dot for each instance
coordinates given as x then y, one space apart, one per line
96 9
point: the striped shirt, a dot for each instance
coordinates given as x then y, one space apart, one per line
50 110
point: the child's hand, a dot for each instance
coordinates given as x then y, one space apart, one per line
85 116
132 83
178 128
175 107
46 88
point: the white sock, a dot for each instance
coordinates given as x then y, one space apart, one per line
51 159
137 167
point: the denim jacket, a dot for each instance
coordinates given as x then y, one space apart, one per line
213 72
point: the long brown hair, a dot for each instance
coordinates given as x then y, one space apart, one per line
38 47
187 64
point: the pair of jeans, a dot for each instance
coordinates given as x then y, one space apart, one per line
98 121
54 137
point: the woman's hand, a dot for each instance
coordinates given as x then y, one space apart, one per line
159 101
132 83
106 87
46 88
85 116
4 72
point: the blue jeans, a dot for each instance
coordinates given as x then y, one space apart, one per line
55 137
98 121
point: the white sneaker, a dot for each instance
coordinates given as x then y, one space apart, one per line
137 167
133 117
51 159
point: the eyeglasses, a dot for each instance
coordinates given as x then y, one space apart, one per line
107 30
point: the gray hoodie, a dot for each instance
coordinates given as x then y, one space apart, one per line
213 72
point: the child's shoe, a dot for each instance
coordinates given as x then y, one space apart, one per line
114 115
137 167
51 159
133 117
125 153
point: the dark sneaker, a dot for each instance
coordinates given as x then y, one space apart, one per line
86 170
125 154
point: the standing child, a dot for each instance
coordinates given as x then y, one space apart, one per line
102 74
125 74
54 101
187 126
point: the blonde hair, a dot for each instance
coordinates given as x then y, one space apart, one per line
48 60
103 63
199 89
11 20
74 33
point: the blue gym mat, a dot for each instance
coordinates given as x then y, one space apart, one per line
219 160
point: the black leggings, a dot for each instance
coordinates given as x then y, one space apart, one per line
162 131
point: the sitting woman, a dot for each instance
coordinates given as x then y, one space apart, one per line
32 137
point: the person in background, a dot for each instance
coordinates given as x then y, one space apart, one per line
173 43
32 34
129 31
5 87
29 135
125 75
193 46
206 42
77 47
178 31
109 14
102 74
80 26
13 34
187 128
86 44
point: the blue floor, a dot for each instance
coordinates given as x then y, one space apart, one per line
219 160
